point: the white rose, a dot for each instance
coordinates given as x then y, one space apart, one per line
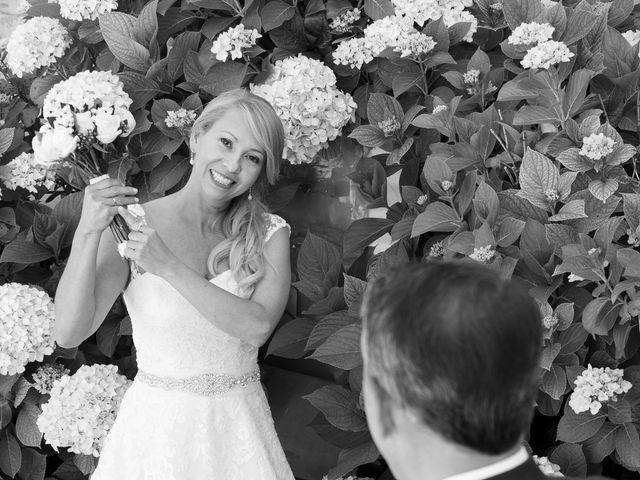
53 144
126 116
108 127
84 123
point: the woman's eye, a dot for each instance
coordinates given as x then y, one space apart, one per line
226 142
253 159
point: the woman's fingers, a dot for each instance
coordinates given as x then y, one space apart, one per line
117 190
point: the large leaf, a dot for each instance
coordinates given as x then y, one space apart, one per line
318 265
362 232
26 429
340 407
601 444
571 460
377 9
437 217
290 340
24 252
577 427
139 88
33 465
538 175
275 13
521 11
223 77
328 326
167 174
352 457
628 445
118 30
10 454
185 42
342 349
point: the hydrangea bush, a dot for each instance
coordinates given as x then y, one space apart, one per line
417 130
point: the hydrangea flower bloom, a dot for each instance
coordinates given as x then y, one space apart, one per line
343 22
180 119
531 33
47 375
38 42
26 326
546 54
596 146
313 111
82 408
231 42
24 172
85 9
596 386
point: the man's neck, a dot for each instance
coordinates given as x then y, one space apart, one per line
429 459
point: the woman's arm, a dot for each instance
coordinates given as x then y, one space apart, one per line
250 320
95 274
92 280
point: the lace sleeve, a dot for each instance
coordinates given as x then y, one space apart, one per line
275 223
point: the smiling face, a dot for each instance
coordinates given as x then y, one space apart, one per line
228 159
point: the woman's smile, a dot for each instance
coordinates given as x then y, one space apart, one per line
220 179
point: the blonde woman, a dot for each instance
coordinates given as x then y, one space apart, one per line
209 282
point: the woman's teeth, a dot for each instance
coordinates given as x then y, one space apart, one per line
221 179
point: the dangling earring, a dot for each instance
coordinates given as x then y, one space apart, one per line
192 156
250 197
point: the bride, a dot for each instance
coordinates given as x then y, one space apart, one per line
208 282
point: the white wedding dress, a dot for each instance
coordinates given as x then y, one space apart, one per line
196 410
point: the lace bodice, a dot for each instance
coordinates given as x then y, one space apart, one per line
173 339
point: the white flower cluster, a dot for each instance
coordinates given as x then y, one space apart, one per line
38 42
85 9
5 98
82 408
388 32
440 108
632 36
437 250
313 110
596 146
548 3
389 126
180 119
596 386
531 33
24 172
26 326
548 468
471 77
483 254
232 41
546 54
86 106
47 375
343 22
451 12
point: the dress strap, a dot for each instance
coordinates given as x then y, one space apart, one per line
275 223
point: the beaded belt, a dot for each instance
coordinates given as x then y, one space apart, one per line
207 384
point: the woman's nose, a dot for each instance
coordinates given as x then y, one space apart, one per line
232 162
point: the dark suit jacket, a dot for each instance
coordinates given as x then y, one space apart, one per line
530 471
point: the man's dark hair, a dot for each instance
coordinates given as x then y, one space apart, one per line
458 345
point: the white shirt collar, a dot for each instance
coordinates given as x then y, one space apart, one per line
494 469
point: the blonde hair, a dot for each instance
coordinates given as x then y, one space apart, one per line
243 223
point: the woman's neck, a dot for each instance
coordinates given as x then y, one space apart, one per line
195 211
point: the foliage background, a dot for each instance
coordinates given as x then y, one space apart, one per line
373 199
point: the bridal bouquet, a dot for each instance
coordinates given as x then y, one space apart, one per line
82 408
26 326
313 111
82 116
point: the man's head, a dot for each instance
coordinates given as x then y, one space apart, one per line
455 347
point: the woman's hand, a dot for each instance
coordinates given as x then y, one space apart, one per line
146 248
101 202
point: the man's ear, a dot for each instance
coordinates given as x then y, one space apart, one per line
385 410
